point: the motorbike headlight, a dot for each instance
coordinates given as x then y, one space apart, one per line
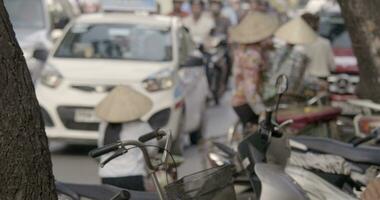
51 77
162 80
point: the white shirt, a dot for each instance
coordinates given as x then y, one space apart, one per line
201 28
321 58
131 163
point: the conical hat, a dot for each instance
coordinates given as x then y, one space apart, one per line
296 31
253 28
123 104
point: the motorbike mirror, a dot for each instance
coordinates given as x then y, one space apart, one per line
281 84
281 88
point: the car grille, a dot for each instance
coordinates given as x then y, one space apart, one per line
98 89
66 114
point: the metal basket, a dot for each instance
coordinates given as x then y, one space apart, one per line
211 184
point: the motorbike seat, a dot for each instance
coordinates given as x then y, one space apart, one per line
360 154
308 115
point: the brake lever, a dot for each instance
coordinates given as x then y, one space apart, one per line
117 153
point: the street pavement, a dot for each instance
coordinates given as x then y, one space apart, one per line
71 163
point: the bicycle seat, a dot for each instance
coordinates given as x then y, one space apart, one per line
360 154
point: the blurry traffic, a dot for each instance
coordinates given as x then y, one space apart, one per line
263 90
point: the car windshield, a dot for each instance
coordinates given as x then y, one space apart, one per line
117 41
26 13
332 27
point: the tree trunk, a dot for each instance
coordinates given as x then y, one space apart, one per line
25 165
362 19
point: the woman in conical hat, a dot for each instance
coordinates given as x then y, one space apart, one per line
251 58
291 59
120 112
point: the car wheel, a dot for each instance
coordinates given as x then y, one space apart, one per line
178 143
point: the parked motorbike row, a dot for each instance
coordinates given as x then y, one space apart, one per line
314 167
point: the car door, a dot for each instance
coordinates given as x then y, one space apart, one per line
195 82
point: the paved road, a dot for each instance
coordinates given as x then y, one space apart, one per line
71 163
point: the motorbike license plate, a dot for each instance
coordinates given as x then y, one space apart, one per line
85 116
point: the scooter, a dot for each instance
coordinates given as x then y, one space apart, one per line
349 167
217 66
263 155
368 119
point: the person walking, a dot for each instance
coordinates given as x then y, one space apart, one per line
292 59
320 52
199 23
251 60
120 112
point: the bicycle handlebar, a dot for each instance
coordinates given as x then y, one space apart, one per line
105 149
121 144
153 135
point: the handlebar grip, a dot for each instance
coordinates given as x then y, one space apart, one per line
152 135
363 140
104 150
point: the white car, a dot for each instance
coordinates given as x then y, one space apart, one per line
152 54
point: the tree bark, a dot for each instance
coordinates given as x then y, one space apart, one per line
25 165
362 19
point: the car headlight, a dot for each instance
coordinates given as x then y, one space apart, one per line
163 80
51 77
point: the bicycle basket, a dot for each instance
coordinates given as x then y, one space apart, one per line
211 184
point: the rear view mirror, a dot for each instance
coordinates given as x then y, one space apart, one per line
281 84
41 54
193 61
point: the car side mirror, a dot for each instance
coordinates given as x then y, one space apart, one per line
41 54
193 61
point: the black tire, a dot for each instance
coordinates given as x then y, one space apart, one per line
195 137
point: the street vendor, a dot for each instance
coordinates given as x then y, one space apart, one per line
252 37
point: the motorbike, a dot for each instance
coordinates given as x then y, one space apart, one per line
347 166
217 65
368 119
